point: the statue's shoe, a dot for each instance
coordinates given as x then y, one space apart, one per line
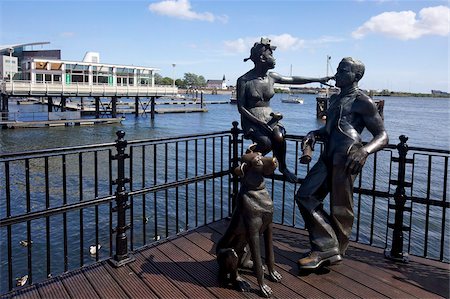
315 259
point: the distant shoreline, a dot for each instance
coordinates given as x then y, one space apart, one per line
312 91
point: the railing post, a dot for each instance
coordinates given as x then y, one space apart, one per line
234 163
122 256
396 252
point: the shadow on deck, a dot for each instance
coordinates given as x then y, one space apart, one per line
185 267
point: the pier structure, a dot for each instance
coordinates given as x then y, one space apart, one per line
148 213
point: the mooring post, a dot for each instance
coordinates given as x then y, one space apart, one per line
201 99
396 252
234 163
122 256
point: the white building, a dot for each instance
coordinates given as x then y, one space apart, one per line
216 84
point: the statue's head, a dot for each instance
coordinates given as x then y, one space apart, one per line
261 52
349 71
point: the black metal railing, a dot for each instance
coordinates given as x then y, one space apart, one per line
64 208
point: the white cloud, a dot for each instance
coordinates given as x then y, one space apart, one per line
284 42
404 25
67 34
182 9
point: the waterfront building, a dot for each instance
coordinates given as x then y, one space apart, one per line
18 62
216 84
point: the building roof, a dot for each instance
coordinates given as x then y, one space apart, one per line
13 46
93 64
214 82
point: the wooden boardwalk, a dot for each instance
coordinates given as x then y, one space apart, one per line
185 267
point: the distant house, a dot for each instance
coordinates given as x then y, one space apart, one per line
216 84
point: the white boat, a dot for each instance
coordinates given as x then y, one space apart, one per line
292 100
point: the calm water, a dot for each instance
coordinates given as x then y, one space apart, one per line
424 120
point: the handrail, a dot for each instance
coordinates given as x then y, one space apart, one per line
165 185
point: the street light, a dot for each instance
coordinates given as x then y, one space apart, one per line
11 51
173 75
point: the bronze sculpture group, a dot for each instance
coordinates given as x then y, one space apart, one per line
343 156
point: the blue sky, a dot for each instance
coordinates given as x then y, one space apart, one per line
404 44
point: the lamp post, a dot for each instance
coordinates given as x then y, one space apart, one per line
173 75
11 51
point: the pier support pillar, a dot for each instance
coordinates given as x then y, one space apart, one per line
152 108
50 104
82 103
4 107
114 107
97 107
136 106
63 103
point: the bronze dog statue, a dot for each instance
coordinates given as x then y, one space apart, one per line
252 217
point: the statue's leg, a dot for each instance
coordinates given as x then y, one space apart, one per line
341 205
310 198
270 257
263 143
279 151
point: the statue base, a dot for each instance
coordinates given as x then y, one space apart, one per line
401 258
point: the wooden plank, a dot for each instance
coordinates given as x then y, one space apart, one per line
130 282
174 272
301 288
387 285
52 288
30 292
103 283
77 285
154 278
201 265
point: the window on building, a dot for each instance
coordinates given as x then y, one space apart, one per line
56 78
48 78
39 77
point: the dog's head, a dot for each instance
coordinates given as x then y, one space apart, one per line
255 162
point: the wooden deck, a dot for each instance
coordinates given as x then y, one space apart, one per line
185 267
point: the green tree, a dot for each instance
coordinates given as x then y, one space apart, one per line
158 79
192 80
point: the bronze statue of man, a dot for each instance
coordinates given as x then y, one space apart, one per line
342 159
254 91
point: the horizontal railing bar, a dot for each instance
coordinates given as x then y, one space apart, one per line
54 211
177 138
53 151
94 202
180 183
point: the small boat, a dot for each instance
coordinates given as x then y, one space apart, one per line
292 100
233 99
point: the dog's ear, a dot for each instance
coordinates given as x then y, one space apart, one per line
251 148
270 164
240 170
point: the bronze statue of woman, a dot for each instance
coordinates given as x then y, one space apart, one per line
254 91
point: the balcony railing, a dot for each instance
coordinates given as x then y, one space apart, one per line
58 205
27 88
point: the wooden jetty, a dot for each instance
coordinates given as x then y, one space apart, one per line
59 123
186 267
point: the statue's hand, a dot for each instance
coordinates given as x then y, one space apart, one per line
276 116
356 161
309 139
324 80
